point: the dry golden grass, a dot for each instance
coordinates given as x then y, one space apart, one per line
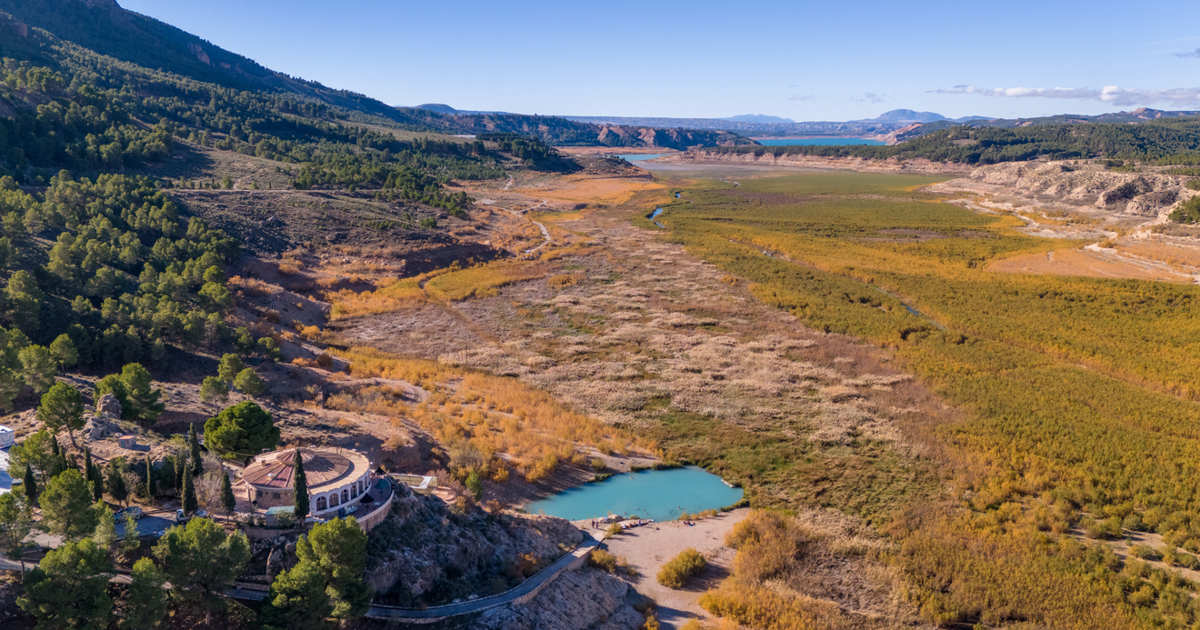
482 280
397 295
591 189
490 422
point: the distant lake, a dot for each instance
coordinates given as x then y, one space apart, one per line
638 157
662 495
821 141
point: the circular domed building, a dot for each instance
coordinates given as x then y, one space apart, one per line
337 479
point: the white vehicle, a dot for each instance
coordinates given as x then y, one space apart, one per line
7 437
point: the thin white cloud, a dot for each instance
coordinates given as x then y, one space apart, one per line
1108 94
1190 54
872 97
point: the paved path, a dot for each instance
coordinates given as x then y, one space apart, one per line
249 592
433 613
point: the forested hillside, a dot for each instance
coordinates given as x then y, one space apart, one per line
126 37
1168 141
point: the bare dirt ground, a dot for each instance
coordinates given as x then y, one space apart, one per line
1117 219
1093 262
646 549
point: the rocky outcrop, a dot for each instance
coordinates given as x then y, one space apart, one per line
427 553
106 421
109 407
584 598
1086 184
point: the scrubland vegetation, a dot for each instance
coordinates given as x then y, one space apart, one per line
1078 393
771 548
486 423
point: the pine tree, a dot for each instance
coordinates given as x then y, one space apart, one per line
228 501
194 452
62 408
189 494
300 483
143 397
30 484
146 601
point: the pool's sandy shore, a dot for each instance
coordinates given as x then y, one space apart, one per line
647 548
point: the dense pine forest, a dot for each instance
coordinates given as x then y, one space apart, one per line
1161 142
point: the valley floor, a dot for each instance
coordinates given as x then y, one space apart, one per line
622 324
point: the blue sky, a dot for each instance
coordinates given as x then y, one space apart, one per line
803 60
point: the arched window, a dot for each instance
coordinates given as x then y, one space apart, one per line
345 495
333 500
321 505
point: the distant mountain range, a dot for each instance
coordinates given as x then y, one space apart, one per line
894 125
776 126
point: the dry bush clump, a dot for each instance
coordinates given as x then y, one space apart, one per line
678 570
787 574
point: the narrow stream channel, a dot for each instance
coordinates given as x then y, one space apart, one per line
653 216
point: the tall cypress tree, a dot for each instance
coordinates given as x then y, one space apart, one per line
149 486
180 466
228 501
194 451
92 473
300 483
31 489
97 483
189 494
114 483
59 461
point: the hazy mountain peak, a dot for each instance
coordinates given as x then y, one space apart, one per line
440 108
760 118
908 116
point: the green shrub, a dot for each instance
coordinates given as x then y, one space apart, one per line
603 559
1104 528
1145 552
677 570
1187 211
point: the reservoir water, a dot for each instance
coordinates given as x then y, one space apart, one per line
828 141
662 495
640 157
